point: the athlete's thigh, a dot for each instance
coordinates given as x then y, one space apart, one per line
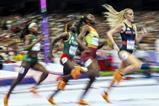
39 67
93 68
68 66
25 64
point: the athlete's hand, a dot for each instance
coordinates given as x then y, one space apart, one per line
40 38
144 32
116 47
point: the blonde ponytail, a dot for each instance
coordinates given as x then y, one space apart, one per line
114 17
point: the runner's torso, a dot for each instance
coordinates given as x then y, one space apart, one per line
71 45
128 39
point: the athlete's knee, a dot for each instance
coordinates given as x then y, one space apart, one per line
92 78
45 74
123 55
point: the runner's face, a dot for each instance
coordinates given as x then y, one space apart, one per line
34 29
130 15
91 19
73 28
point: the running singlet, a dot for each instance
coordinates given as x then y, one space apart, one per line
37 46
92 38
31 57
71 45
128 39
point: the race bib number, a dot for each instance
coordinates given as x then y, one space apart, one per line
64 60
73 50
36 47
88 62
21 70
130 44
95 41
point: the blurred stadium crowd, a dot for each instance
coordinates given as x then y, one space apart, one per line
11 28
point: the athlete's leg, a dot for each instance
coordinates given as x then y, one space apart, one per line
129 63
41 68
21 75
67 67
92 72
88 86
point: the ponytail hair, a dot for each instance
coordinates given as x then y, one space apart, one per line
114 17
25 31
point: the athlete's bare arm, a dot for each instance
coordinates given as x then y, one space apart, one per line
112 32
138 37
80 37
62 36
28 45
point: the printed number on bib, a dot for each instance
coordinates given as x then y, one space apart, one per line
36 47
88 62
95 41
21 70
130 44
72 50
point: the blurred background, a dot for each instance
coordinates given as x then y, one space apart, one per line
28 6
16 14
